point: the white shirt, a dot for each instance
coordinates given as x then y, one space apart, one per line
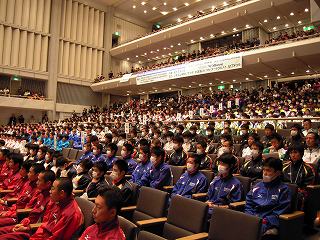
311 156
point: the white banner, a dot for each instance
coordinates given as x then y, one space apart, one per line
204 66
126 77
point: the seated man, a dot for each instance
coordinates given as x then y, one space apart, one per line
179 156
225 188
192 181
268 132
38 204
14 178
252 168
269 198
126 153
41 154
98 181
118 178
105 214
112 150
206 161
66 218
312 151
97 154
87 153
142 167
160 174
82 179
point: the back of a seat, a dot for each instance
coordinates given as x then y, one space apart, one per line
294 196
237 148
144 235
185 217
177 171
152 203
86 207
65 152
79 154
244 226
209 175
129 229
246 184
285 133
73 154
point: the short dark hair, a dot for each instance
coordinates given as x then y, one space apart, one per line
86 164
129 147
158 151
113 147
259 145
61 161
38 168
5 152
269 126
122 165
296 147
49 175
144 142
17 158
196 157
112 197
227 158
27 165
44 149
102 166
273 163
178 139
99 147
146 150
202 144
65 184
94 138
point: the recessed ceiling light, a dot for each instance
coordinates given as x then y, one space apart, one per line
265 76
157 57
247 78
127 94
154 8
287 25
165 3
183 50
164 13
143 3
134 6
274 28
210 83
128 59
179 44
234 29
156 90
308 71
266 20
247 26
170 54
190 86
163 55
306 10
148 59
137 56
192 40
189 16
278 17
164 48
234 80
291 14
199 84
174 9
201 38
292 73
186 4
139 61
145 11
179 20
221 81
279 74
223 32
211 35
158 50
299 22
176 52
169 89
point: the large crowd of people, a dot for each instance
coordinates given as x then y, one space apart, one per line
115 156
22 94
213 51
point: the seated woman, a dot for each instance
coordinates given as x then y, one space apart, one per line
98 181
82 179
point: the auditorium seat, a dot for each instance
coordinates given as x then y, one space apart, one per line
65 152
185 217
285 133
246 184
79 154
86 209
72 154
144 235
129 229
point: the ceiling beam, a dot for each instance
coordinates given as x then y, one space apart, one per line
317 2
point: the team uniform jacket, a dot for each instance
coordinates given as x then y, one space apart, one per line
252 168
139 171
189 184
86 155
157 177
299 173
131 164
268 201
177 158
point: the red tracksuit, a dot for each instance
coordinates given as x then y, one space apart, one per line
62 223
16 189
24 197
11 182
104 231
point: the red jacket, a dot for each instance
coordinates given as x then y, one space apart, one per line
17 188
104 231
12 181
63 221
24 197
5 172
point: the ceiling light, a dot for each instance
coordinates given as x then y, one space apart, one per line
128 59
165 3
192 40
287 25
225 4
308 71
247 79
210 88
265 76
164 48
210 83
158 50
201 38
266 20
306 10
221 81
157 57
247 26
134 6
170 54
148 59
279 75
199 84
299 22
291 14
292 73
189 16
164 13
223 32
186 4
176 52
169 89
137 56
174 9
154 8
127 94
234 80
179 44
145 11
145 53
234 29
140 62
163 55
179 20
278 17
190 86
211 35
183 50
156 90
143 3
274 28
